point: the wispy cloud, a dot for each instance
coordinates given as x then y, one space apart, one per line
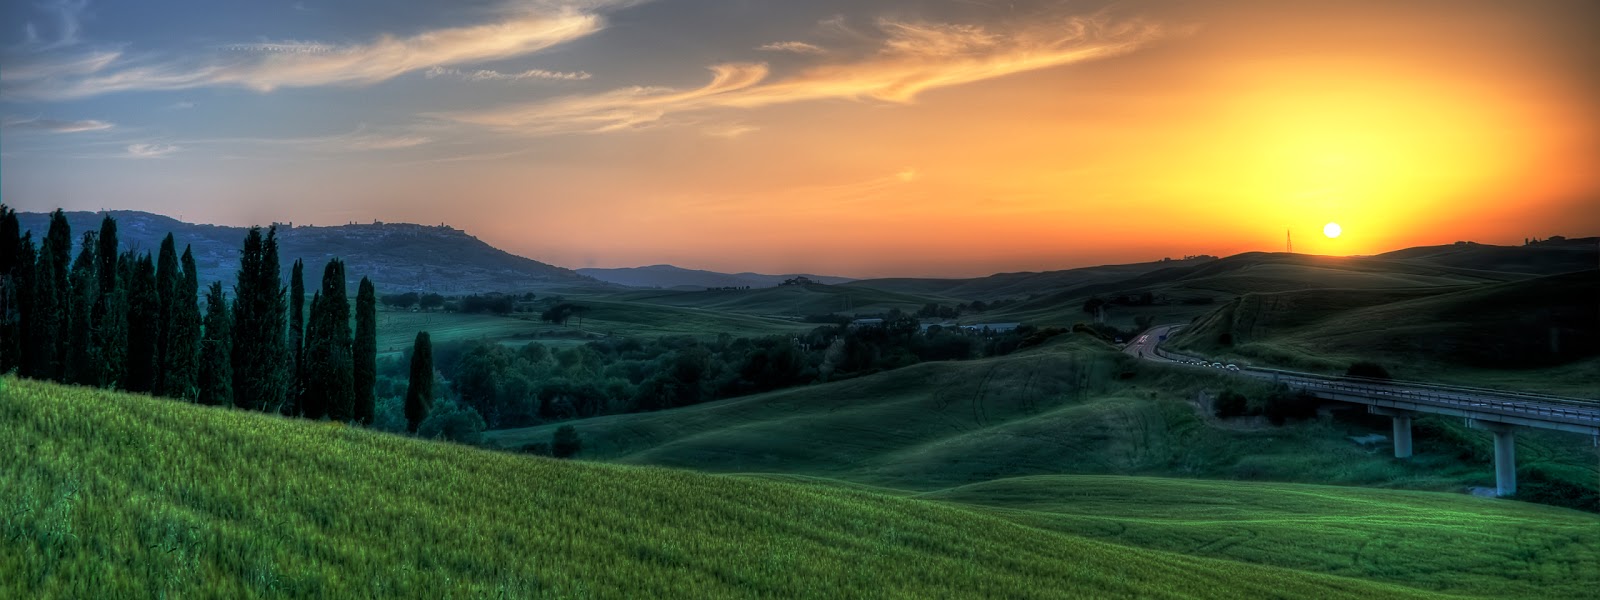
37 68
911 58
375 142
268 66
491 75
358 140
731 130
68 16
53 125
795 47
150 150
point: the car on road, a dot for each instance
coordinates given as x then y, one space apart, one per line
1232 367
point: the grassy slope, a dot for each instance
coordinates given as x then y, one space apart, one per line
1228 278
397 329
1546 258
1000 433
1469 335
1004 285
116 495
1052 410
1448 543
792 300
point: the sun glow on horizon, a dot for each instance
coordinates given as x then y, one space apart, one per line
1332 230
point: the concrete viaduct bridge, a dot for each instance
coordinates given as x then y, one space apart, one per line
1495 411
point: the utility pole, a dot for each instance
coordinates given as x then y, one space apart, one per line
1288 237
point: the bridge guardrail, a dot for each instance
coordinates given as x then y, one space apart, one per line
1577 410
1490 405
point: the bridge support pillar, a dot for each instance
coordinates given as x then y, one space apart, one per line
1402 428
1505 455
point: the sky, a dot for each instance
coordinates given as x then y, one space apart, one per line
859 138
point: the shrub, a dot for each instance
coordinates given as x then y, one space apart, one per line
565 443
1284 404
1231 404
454 422
536 449
1368 369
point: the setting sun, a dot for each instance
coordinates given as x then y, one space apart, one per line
1332 230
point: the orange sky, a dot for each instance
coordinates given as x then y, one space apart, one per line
920 139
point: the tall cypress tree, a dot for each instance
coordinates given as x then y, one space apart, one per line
10 282
111 308
215 379
260 350
83 364
51 291
22 291
144 329
419 392
10 239
364 352
313 402
167 280
329 368
108 254
297 331
183 339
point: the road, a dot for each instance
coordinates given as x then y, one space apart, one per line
1533 410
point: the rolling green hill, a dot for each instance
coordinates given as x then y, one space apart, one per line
788 300
116 495
1542 258
1537 334
397 329
1060 408
1180 290
1055 438
1439 542
1007 285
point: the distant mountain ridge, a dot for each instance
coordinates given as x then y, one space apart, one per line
672 277
396 256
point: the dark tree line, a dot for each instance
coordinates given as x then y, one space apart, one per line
133 322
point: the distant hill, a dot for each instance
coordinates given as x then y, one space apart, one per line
396 256
786 300
1547 257
1004 285
671 277
1534 334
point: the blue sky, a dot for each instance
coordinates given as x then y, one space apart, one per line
878 137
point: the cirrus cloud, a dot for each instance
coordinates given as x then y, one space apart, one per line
265 67
910 58
54 125
795 47
491 75
150 150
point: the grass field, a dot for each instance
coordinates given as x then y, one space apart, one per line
116 495
1061 408
1538 334
397 329
1054 439
790 300
1445 543
1223 280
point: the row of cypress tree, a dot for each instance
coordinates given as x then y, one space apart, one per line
133 322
